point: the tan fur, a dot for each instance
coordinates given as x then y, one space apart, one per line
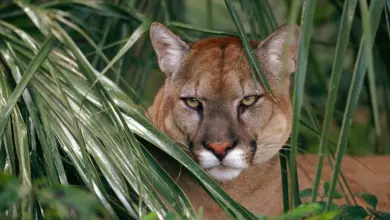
259 188
215 72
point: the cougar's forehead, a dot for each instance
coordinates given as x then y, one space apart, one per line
220 55
218 67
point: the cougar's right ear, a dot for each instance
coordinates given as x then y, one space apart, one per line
170 48
271 50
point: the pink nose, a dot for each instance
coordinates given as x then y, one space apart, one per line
219 148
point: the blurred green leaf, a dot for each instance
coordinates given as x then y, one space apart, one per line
325 216
336 194
10 191
305 193
150 216
369 198
170 216
378 214
352 212
301 211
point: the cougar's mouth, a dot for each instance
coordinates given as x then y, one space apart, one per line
226 169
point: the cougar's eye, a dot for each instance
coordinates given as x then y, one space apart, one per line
192 102
249 100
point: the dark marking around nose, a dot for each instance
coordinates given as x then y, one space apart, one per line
253 146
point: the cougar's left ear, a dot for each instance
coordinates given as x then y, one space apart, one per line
270 51
170 48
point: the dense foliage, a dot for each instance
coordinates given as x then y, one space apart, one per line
76 76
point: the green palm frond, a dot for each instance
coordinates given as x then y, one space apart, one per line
76 77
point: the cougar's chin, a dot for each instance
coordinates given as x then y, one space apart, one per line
224 173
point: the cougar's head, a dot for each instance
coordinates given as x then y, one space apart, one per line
211 103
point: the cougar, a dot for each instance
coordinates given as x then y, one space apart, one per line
211 105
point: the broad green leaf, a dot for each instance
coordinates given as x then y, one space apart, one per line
305 192
369 198
352 213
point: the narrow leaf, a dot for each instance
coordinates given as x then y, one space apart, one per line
338 61
247 47
376 9
300 76
18 91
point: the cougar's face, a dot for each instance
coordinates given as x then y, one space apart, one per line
226 120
